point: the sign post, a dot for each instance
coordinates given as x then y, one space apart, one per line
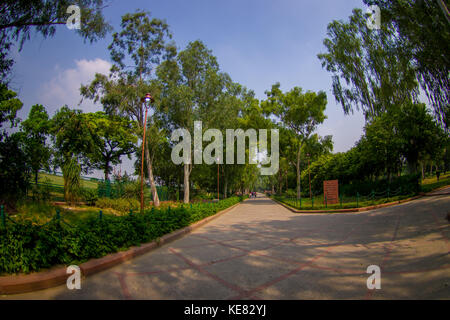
331 191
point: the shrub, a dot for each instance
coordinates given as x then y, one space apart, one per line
89 195
122 205
26 247
406 184
42 191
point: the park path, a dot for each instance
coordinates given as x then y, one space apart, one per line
261 250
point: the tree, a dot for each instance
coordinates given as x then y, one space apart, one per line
19 17
382 144
9 105
36 130
14 169
299 112
422 29
136 51
369 70
73 139
419 133
239 109
113 137
192 87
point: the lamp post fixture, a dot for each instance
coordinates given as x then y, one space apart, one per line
217 160
309 174
146 100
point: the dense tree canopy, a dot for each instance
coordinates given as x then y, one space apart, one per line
377 71
423 31
369 71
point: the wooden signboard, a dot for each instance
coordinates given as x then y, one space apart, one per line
331 191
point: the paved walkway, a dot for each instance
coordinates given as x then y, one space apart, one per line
260 250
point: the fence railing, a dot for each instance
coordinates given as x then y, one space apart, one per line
55 192
319 201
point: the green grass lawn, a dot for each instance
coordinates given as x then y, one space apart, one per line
347 202
430 184
41 212
58 180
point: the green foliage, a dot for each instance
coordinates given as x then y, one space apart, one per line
35 130
435 185
89 195
72 137
300 113
113 137
368 70
9 105
348 202
26 247
408 184
19 18
122 205
72 180
423 27
14 169
36 211
41 192
120 188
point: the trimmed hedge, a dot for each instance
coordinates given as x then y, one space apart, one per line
26 247
407 184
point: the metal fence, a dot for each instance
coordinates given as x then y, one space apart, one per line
103 189
320 201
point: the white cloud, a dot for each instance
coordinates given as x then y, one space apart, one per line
64 87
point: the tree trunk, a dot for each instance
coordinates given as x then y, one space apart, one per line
150 177
298 173
412 168
225 186
186 183
287 186
423 170
106 171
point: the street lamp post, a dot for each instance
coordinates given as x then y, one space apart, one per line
217 160
146 100
309 174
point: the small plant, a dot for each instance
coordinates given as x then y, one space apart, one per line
90 196
121 205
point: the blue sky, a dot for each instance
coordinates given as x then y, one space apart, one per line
257 42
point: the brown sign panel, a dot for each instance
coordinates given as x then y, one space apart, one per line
331 191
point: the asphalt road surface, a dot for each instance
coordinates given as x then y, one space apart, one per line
260 250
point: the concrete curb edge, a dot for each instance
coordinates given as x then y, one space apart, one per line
362 209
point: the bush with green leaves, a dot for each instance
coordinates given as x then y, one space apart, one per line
26 246
41 191
89 195
407 184
122 205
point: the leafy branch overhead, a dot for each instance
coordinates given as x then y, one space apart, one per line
18 18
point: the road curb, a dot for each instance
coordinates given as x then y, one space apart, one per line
362 209
430 194
58 276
